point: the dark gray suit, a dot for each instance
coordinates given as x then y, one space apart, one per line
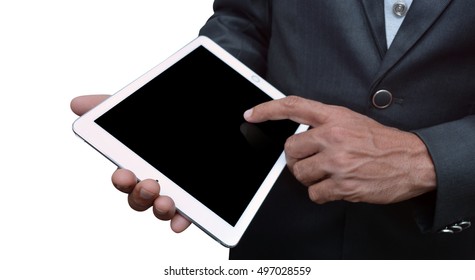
334 51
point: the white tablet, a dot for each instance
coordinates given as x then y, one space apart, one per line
182 124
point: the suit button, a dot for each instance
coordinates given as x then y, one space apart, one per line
382 99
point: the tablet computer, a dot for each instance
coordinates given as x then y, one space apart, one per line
181 123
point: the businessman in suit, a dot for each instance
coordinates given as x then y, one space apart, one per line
386 169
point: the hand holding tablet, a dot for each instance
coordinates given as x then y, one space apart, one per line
217 167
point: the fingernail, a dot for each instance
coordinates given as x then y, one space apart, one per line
248 113
145 194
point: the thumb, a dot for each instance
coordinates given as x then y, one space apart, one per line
81 104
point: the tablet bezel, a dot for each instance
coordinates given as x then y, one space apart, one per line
86 128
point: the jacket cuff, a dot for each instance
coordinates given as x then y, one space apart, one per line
452 148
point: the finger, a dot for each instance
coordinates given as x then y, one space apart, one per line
124 180
294 108
179 223
144 194
324 191
310 170
304 144
81 104
164 208
329 190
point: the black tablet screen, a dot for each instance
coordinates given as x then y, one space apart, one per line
188 123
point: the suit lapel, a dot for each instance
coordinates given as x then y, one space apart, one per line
421 15
374 10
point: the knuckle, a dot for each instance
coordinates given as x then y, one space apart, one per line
349 191
346 188
333 191
338 161
291 101
297 170
289 145
332 194
337 134
290 162
320 195
303 174
313 195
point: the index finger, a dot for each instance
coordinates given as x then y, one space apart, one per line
297 109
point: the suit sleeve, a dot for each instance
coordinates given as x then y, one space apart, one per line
241 27
452 148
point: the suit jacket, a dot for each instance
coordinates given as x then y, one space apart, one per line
335 52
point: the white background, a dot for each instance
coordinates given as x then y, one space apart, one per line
60 216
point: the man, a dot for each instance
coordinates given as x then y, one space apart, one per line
385 172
